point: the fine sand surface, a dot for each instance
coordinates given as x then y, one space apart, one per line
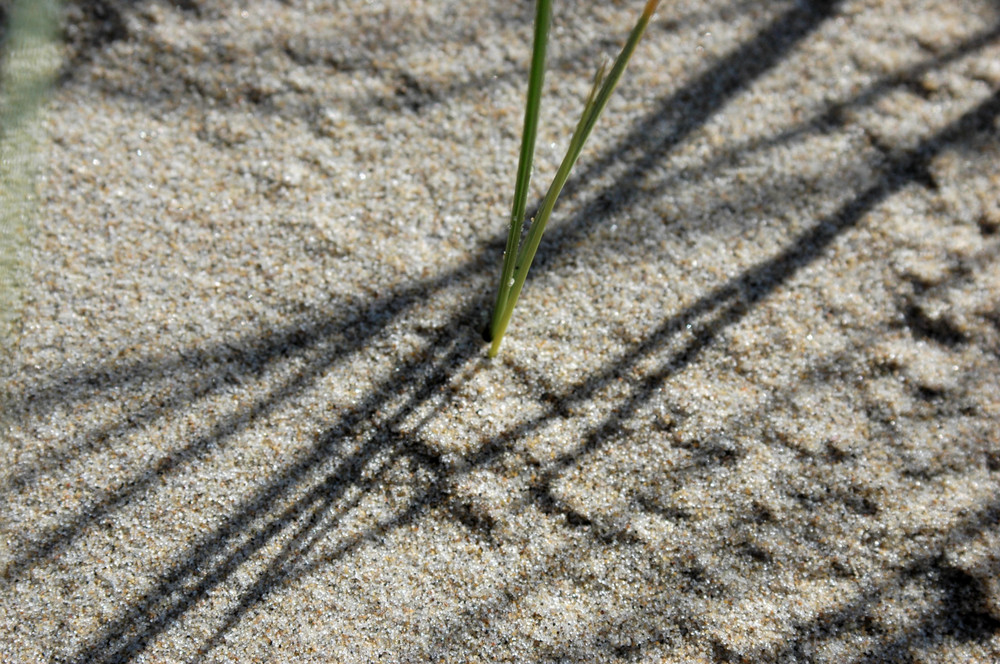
747 409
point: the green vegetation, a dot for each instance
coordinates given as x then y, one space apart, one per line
28 64
517 257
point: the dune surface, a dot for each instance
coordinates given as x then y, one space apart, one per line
746 411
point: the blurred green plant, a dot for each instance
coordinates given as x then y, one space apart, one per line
28 63
518 256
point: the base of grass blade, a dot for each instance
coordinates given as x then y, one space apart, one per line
600 93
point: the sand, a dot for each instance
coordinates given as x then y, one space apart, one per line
747 409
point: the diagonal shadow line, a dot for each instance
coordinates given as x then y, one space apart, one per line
249 350
707 94
255 360
291 561
571 61
600 533
693 313
661 130
228 352
61 537
832 115
176 589
742 294
382 310
729 303
973 625
715 86
907 77
960 618
780 32
180 587
963 594
61 387
986 515
55 392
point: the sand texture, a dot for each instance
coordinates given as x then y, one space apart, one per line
747 409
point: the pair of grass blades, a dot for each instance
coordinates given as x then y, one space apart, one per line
517 256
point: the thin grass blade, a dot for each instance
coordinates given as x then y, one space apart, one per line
596 101
543 18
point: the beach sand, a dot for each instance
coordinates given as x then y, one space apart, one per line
747 409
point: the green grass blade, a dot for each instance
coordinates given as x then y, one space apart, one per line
543 18
596 101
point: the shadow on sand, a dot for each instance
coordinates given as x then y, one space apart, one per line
293 512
